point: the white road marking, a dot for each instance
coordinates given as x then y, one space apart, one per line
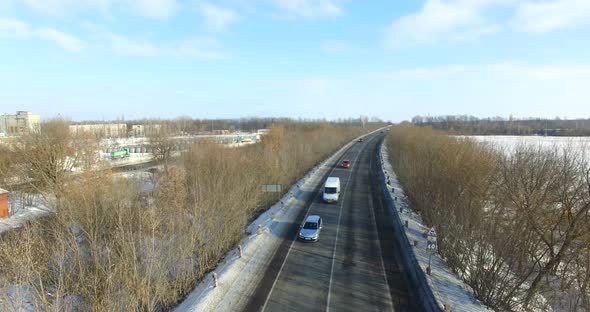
338 228
293 242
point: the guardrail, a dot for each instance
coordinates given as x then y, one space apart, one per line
417 277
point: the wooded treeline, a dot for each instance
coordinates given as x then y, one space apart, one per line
513 226
189 125
108 245
470 125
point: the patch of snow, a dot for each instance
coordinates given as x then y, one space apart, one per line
18 298
134 159
509 143
24 298
22 212
238 277
448 289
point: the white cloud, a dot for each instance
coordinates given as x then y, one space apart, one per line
13 27
541 17
310 8
50 6
63 7
515 70
123 45
68 42
195 48
147 8
216 18
154 8
17 28
443 20
460 20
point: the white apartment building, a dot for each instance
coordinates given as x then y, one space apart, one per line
20 123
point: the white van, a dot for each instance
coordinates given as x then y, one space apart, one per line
332 190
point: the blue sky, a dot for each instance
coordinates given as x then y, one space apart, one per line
393 59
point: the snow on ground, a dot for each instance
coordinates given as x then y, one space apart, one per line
24 298
448 289
22 213
144 178
234 137
509 143
133 159
238 277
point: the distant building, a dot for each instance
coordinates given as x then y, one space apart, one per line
101 130
143 130
151 129
262 131
21 123
137 131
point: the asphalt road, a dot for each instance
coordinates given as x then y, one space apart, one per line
355 264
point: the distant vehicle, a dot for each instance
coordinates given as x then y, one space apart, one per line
332 190
361 139
120 154
310 229
345 164
246 140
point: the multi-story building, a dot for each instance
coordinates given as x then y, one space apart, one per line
145 130
21 123
101 130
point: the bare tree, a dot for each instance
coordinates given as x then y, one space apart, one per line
162 143
512 225
115 252
48 155
7 161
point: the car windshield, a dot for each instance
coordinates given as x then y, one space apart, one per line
310 226
346 162
330 190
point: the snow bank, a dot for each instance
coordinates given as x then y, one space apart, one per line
21 213
238 277
134 159
447 288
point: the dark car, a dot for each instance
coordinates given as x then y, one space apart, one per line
345 164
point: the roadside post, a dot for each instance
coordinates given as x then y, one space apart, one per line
215 280
431 246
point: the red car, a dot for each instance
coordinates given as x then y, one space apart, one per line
345 164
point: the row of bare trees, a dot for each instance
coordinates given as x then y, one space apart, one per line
186 125
515 226
110 246
471 125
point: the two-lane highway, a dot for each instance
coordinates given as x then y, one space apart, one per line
354 266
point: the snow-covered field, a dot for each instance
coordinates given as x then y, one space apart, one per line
509 143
